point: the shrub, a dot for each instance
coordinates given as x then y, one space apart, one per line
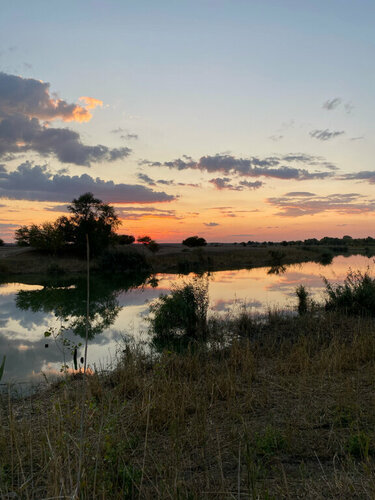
125 239
355 297
1 242
302 295
194 241
182 313
117 261
277 257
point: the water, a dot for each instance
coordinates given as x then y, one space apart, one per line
118 311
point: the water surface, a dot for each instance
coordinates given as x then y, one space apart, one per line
118 310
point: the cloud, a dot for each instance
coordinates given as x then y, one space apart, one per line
26 110
163 182
145 178
331 104
276 138
251 167
364 175
211 224
37 183
30 97
296 204
326 135
139 213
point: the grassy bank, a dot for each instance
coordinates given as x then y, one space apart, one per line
279 407
179 259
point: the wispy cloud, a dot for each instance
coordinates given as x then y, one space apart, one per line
273 166
331 104
299 204
326 135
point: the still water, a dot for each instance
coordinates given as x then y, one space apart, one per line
118 311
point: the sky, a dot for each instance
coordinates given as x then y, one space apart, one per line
235 120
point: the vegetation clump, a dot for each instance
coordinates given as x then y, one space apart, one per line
194 241
125 239
356 296
182 313
90 217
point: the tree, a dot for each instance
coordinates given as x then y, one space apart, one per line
125 239
1 242
194 241
92 217
148 243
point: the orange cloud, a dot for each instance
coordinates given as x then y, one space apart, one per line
91 102
81 113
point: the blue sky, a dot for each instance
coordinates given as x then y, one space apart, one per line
206 78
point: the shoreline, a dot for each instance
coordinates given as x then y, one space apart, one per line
175 259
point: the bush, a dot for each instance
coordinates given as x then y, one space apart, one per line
124 262
302 295
182 313
194 241
125 239
355 297
1 242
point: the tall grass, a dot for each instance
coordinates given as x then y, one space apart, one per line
284 410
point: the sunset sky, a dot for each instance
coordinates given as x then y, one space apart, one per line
232 119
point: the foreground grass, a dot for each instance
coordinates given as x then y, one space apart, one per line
276 408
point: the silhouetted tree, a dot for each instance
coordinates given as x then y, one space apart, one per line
194 241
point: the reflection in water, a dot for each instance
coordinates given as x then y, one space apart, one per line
118 308
67 301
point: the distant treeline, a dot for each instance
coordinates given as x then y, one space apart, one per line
326 241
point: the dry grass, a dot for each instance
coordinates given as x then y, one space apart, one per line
286 410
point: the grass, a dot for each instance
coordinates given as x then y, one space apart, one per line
274 407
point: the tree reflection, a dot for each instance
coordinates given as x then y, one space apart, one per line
67 300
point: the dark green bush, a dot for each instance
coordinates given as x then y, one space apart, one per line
182 313
194 241
302 295
356 296
125 239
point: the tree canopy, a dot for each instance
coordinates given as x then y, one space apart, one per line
194 241
89 216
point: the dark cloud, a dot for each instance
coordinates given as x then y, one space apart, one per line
326 135
146 179
211 224
251 167
30 97
364 175
163 182
299 193
19 133
24 105
299 204
332 103
37 183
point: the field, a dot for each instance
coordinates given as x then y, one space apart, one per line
281 407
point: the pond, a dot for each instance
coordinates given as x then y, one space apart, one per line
118 311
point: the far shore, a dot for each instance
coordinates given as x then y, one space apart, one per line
176 258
